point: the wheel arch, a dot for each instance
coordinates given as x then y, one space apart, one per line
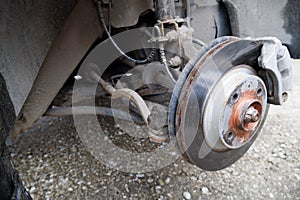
255 18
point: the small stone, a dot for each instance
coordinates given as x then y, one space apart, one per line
226 175
200 179
126 188
169 195
161 182
150 180
283 145
205 190
167 181
185 169
157 187
193 178
187 195
282 155
120 133
235 173
32 189
70 189
271 195
140 175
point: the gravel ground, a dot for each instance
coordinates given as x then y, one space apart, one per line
54 164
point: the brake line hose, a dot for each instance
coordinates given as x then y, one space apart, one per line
102 21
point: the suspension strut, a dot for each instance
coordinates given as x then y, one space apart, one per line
164 9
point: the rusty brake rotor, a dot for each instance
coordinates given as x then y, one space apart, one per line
221 106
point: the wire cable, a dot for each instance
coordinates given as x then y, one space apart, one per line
102 20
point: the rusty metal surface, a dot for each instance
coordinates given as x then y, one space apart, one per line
184 75
164 9
80 31
245 128
192 101
135 98
229 104
231 110
243 120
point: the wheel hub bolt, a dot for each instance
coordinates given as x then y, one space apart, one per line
252 115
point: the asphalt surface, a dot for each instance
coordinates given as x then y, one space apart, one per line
54 164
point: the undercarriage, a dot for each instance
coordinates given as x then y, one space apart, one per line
211 99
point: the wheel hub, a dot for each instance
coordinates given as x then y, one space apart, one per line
235 109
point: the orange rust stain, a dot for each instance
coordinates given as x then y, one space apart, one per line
242 130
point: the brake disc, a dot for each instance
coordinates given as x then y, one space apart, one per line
221 105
